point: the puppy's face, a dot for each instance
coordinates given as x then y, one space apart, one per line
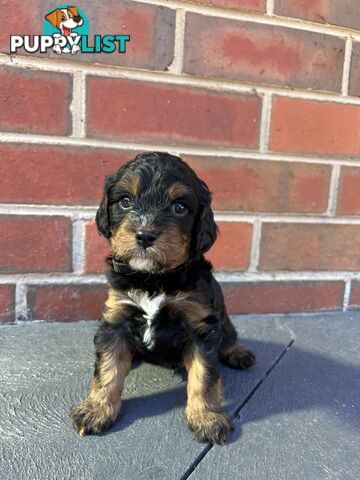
156 213
70 18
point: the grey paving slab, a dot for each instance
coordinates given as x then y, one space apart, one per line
303 422
46 368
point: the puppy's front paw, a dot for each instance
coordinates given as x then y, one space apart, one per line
57 49
75 49
91 418
208 426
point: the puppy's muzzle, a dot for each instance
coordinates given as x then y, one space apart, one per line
146 238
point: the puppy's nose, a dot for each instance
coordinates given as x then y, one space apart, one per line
77 18
146 238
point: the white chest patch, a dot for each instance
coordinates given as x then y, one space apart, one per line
142 264
151 306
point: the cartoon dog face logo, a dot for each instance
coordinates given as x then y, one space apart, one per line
65 19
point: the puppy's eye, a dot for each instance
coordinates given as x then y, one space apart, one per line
125 202
180 209
63 18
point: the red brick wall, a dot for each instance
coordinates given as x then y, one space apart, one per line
261 97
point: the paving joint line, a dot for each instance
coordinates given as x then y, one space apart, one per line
262 379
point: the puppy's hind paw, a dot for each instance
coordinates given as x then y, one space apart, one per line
238 357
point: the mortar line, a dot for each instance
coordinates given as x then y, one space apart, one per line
264 377
229 152
347 294
74 212
270 5
286 276
21 306
78 246
255 246
265 123
221 276
88 213
177 63
286 218
28 279
78 105
218 84
333 190
347 67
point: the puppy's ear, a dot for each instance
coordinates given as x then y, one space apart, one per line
102 215
205 228
73 10
52 17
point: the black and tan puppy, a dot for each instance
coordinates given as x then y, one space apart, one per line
164 303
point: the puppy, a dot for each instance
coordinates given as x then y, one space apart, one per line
65 19
164 303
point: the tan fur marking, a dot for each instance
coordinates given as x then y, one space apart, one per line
131 184
178 190
103 403
122 241
115 304
173 247
193 307
170 250
202 402
114 367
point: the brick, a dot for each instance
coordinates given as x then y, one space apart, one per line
354 301
232 249
349 192
252 5
142 111
354 86
66 303
96 249
282 297
35 102
337 12
69 175
264 186
310 247
85 302
150 27
305 126
259 53
35 244
75 175
7 303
